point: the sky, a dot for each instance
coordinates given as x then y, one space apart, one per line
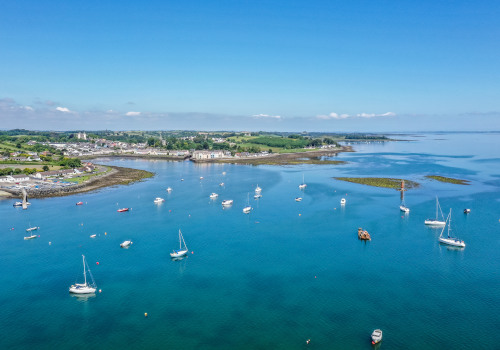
333 66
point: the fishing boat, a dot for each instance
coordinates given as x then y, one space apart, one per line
436 221
258 189
159 200
85 287
125 244
376 336
183 249
298 199
342 201
449 240
79 203
214 195
248 208
123 210
303 184
169 189
227 202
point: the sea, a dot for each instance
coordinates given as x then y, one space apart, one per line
289 275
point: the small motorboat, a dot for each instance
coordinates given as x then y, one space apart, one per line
34 228
257 196
258 189
404 208
247 209
298 199
376 336
223 173
93 236
201 177
79 203
159 200
214 195
466 211
123 210
169 189
221 184
125 244
30 237
227 202
20 204
342 201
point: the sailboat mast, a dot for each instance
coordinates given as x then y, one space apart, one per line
449 224
436 208
84 274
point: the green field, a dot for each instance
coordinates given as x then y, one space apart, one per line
448 180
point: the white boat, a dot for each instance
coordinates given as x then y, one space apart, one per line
258 189
125 244
449 240
227 202
85 287
298 199
201 177
257 196
404 208
20 204
436 221
34 228
30 237
342 201
93 236
303 184
248 208
376 336
214 195
159 200
466 211
169 189
183 250
223 173
221 184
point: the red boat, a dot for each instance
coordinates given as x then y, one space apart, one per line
122 210
79 203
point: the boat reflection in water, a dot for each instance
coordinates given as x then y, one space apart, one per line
83 298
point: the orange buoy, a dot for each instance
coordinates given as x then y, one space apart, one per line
97 263
145 314
100 290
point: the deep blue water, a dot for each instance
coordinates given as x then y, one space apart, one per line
287 272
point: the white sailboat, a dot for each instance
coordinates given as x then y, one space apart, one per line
258 189
183 250
159 200
227 202
303 184
342 201
449 240
85 287
436 221
248 208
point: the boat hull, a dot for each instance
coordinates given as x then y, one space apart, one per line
79 289
30 237
404 209
452 242
431 222
179 254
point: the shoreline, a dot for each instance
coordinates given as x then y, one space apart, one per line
297 158
116 176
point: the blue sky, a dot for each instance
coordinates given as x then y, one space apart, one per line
253 65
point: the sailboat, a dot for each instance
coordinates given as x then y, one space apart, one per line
403 206
258 189
303 184
182 250
85 287
449 240
248 208
436 221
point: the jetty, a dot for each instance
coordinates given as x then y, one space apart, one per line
363 235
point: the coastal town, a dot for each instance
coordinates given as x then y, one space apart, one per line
40 164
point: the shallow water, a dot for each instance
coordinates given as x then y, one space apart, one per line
287 272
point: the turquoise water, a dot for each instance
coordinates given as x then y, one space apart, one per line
287 272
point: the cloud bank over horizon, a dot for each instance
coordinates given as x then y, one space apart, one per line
53 116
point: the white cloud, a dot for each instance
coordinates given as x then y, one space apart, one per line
372 115
63 109
264 116
28 108
333 116
132 114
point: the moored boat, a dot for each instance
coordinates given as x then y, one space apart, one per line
436 221
123 210
449 240
85 287
227 202
214 195
183 249
298 199
125 244
376 336
30 237
159 200
342 201
169 189
34 228
303 185
79 203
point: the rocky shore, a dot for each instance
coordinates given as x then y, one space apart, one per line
116 176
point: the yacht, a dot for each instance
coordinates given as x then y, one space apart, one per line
85 287
183 249
169 189
125 244
342 201
227 202
258 189
159 200
436 221
449 240
214 195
